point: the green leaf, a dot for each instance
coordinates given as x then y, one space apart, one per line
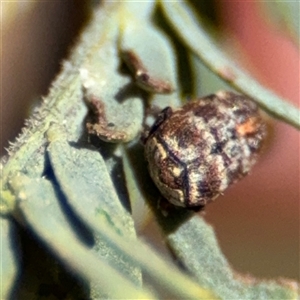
158 58
95 179
63 103
188 29
206 82
196 246
9 261
101 78
41 210
83 178
86 166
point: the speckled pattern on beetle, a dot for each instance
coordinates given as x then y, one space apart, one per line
195 152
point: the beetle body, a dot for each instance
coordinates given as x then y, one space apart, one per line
195 152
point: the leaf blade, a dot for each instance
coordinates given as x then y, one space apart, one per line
9 261
183 20
39 205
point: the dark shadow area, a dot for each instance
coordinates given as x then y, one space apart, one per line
130 90
80 229
175 215
42 276
185 75
118 180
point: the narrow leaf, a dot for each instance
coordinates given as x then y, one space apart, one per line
84 180
195 245
41 210
156 61
185 23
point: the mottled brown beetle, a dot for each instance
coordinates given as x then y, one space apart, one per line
195 152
